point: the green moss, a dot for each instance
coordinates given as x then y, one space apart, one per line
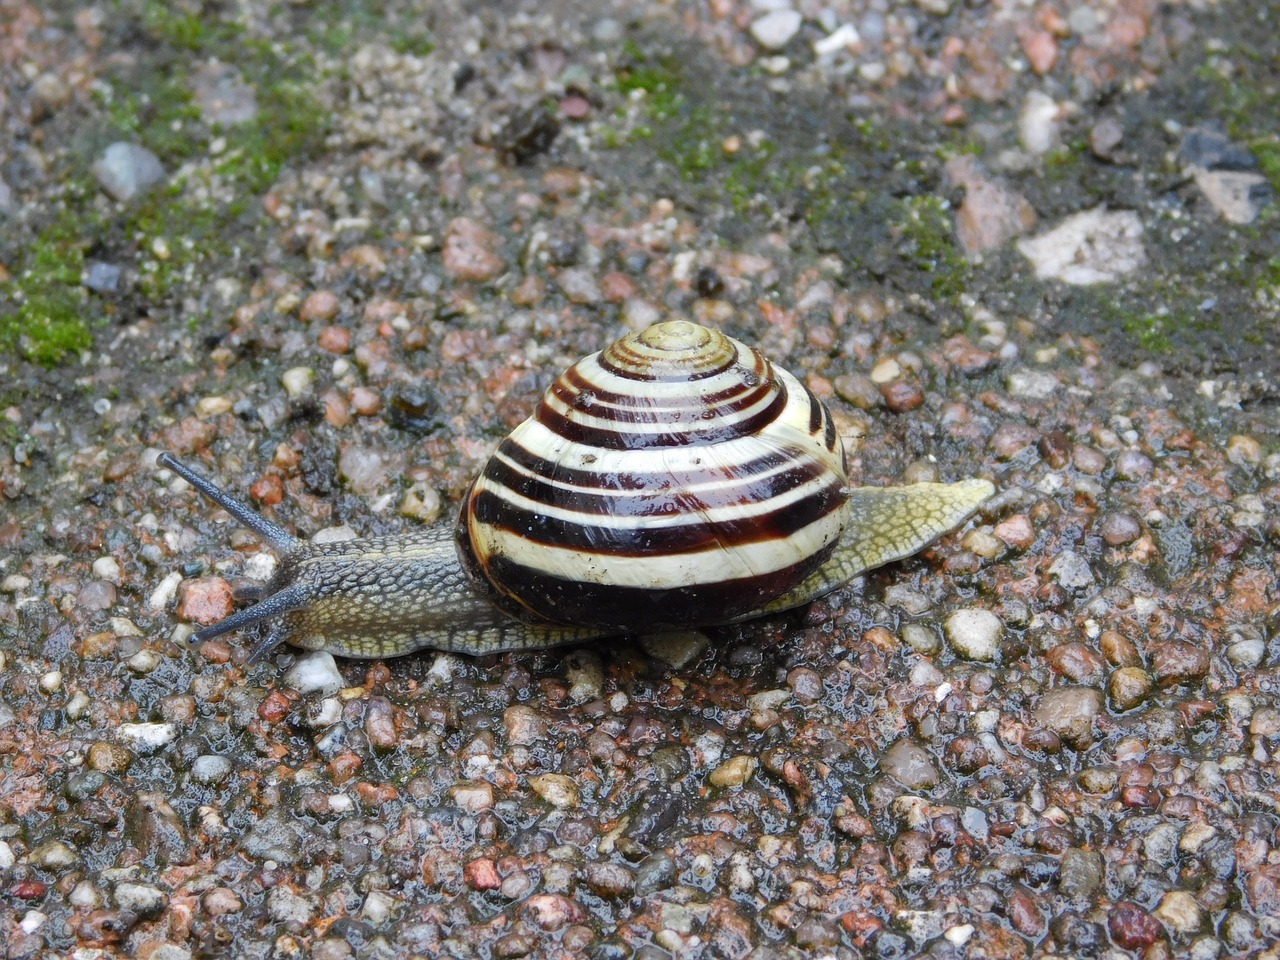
51 317
926 228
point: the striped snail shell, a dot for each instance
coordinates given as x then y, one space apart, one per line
675 479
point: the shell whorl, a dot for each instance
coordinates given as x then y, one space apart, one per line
676 477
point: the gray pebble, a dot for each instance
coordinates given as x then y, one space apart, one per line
910 764
1080 874
1069 712
126 169
141 898
102 277
1071 571
274 838
655 873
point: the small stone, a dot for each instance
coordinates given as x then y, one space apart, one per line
365 401
1105 137
902 396
911 765
677 649
472 797
285 906
524 725
1179 912
1071 571
126 170
297 381
365 471
1131 927
380 724
1070 713
421 503
315 672
1118 529
146 738
205 600
886 371
1016 531
992 213
141 898
53 855
1010 439
609 880
1038 122
551 911
579 286
222 94
1133 465
1080 874
1177 661
1041 49
975 634
1119 649
1096 246
334 339
1032 384
482 874
319 307
469 251
1128 687
556 789
102 277
734 772
1243 451
210 769
1075 662
775 29
109 758
1247 652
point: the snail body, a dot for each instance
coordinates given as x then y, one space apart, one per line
675 479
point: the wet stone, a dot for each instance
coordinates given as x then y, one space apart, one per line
1071 571
314 672
1118 529
524 725
975 634
1177 661
556 789
1070 712
1080 874
677 649
142 899
1128 687
610 880
469 251
1131 927
911 765
205 600
1133 465
210 769
655 873
274 837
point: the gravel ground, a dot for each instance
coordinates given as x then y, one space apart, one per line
330 253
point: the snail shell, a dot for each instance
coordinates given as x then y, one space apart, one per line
677 478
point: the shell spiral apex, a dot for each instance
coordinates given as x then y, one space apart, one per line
674 474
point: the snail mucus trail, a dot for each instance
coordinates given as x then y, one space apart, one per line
675 479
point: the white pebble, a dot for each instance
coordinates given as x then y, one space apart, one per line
106 568
77 705
163 595
845 36
6 855
315 672
147 737
774 30
210 769
14 583
32 921
260 566
378 908
297 381
1038 123
51 682
143 662
85 894
676 649
975 634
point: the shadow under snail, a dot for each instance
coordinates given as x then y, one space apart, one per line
675 479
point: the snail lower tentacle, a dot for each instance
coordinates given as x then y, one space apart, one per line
676 479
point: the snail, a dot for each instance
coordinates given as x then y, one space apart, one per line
675 479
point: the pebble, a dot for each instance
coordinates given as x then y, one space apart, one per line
992 213
1041 49
923 640
1118 529
102 277
524 725
1177 661
734 772
53 855
902 396
1081 873
585 672
551 911
210 769
472 797
365 471
205 600
222 94
1128 687
1131 927
774 30
109 758
314 672
146 738
1070 713
1246 653
609 880
1038 123
579 286
1227 175
1016 531
126 169
297 381
469 251
1071 571
556 789
911 765
1032 384
1096 246
1105 137
677 649
1133 465
141 898
975 634
320 306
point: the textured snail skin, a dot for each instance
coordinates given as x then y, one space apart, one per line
695 472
